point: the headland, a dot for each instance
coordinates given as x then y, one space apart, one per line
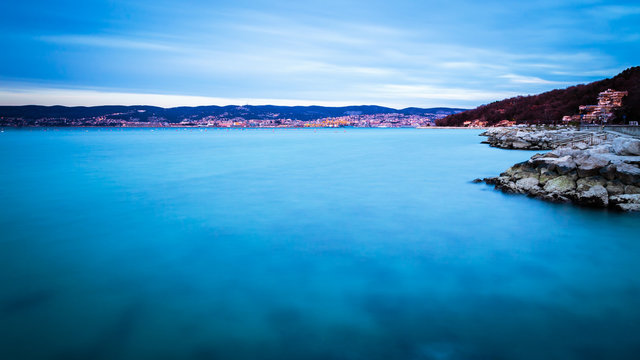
600 169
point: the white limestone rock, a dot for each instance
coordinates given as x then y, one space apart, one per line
560 185
527 185
626 146
596 196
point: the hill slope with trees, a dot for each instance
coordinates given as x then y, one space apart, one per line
551 106
177 114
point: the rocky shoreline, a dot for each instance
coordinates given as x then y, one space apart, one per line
530 138
606 175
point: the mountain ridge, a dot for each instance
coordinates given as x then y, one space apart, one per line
177 114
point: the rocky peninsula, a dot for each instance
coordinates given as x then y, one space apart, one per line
530 138
605 175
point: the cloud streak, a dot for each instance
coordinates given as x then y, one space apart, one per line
409 53
78 97
108 42
521 79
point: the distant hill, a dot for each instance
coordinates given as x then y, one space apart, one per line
177 114
551 106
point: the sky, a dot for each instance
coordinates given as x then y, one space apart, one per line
397 53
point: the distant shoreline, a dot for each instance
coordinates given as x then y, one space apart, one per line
453 127
234 127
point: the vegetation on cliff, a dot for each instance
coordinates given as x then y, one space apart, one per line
551 106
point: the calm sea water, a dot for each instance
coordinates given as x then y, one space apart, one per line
299 244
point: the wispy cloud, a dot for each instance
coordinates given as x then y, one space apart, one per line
434 93
410 53
521 79
600 73
80 97
392 95
613 11
107 41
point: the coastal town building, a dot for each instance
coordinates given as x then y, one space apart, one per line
608 101
226 120
475 124
505 123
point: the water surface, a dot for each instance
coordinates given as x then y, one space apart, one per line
292 244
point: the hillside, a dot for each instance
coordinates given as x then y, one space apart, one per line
177 114
551 106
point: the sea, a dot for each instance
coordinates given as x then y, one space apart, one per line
285 244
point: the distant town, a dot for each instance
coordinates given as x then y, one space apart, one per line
226 117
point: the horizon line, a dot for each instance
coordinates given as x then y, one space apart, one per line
25 96
236 105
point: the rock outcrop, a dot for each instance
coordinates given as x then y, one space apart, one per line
626 146
604 176
529 138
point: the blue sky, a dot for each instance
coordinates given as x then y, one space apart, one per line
396 53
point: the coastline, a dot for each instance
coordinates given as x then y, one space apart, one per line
452 127
600 170
246 127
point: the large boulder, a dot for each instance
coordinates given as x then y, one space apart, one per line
628 174
564 151
580 146
625 199
560 185
565 166
521 144
525 172
517 169
590 165
546 175
589 182
615 187
625 202
627 207
562 165
630 189
596 196
626 146
609 172
605 148
527 185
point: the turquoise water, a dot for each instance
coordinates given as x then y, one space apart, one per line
299 244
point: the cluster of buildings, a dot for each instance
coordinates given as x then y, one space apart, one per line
104 121
482 123
608 101
374 120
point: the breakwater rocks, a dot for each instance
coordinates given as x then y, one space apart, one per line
529 138
605 175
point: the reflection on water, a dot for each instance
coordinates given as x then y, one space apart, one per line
290 244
